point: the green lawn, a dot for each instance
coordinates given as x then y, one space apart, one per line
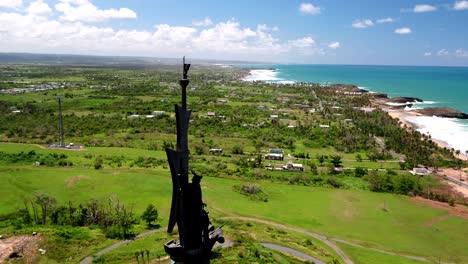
352 215
364 256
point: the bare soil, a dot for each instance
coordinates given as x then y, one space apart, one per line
25 246
457 210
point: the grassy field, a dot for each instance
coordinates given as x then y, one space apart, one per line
357 216
364 256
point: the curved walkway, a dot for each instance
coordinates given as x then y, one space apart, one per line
292 252
89 259
322 238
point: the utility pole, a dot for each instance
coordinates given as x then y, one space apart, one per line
62 140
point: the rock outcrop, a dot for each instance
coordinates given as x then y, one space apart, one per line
404 100
442 112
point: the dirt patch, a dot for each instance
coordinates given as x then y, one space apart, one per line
457 210
25 247
70 182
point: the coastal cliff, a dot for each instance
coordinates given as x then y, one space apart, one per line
442 112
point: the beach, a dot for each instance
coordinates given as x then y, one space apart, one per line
447 132
416 121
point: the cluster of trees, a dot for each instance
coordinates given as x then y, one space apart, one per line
51 159
392 182
115 218
253 191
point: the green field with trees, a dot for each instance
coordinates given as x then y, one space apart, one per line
353 182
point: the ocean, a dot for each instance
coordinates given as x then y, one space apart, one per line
437 86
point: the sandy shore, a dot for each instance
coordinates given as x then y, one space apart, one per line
402 115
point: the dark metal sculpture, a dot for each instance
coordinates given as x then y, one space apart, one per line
196 235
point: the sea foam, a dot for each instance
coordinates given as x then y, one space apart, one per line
452 131
262 75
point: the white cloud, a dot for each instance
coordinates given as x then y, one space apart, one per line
442 52
362 23
427 54
385 20
302 42
424 8
461 53
84 10
334 45
461 5
36 28
11 3
203 23
308 8
403 30
39 8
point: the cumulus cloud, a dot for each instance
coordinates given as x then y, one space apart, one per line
39 8
11 3
403 30
334 45
363 23
461 53
302 42
38 28
461 5
203 23
427 54
84 10
442 52
308 8
385 20
424 8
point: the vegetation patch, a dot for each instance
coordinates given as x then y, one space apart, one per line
253 191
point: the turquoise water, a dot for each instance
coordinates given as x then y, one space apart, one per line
445 86
437 86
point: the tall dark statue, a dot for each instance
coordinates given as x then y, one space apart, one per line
196 235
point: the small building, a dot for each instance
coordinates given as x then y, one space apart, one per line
420 171
159 112
223 101
274 116
149 116
293 166
324 126
134 116
211 114
278 167
216 151
274 156
278 151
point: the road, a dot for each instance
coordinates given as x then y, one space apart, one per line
293 252
327 240
89 259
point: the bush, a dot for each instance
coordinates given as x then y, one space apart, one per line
334 182
253 191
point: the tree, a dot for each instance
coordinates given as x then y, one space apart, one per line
46 203
358 158
238 149
320 158
336 160
150 214
98 163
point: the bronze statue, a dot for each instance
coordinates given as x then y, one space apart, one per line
196 235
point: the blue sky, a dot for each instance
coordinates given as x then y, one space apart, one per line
324 31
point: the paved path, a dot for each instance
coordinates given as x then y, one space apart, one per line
89 259
292 252
322 238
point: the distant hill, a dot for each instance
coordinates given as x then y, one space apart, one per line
100 60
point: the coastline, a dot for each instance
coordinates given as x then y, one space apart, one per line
446 132
404 116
